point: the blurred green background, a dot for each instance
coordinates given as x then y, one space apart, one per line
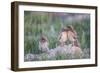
50 24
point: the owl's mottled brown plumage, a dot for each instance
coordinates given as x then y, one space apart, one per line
63 36
67 33
72 35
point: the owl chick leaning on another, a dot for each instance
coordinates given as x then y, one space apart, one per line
67 33
43 44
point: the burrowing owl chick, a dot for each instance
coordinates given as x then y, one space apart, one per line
43 44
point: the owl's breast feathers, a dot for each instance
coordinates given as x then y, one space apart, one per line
63 36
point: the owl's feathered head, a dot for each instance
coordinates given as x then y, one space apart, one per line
43 38
64 29
70 28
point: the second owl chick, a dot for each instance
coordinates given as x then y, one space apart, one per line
43 44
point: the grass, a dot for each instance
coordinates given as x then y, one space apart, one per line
50 24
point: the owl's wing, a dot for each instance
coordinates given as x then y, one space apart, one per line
74 34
